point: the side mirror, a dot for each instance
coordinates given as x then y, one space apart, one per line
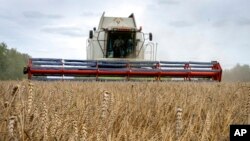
150 36
90 34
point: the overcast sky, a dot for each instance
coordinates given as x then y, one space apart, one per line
185 30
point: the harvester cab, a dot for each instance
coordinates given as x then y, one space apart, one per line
117 38
118 50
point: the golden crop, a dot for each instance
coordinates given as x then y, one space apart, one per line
122 111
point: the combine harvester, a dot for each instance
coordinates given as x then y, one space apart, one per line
118 50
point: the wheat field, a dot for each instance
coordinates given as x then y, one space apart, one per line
121 111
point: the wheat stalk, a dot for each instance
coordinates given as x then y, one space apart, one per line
35 112
85 120
178 123
105 103
56 125
111 117
86 115
75 127
83 133
45 121
70 96
30 97
12 105
208 122
206 127
15 90
248 105
99 133
11 125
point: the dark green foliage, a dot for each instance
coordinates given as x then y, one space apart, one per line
239 73
11 63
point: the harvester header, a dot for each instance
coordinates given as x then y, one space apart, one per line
118 50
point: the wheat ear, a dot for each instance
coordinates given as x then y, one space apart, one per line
30 97
83 133
45 121
178 123
11 126
75 127
56 125
105 103
206 127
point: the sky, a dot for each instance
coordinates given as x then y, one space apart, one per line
184 30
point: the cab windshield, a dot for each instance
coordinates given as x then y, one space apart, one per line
121 44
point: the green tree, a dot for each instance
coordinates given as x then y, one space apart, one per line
237 73
3 59
11 63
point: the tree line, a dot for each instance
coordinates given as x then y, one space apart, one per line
240 73
11 63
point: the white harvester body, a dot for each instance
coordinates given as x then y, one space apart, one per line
135 46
